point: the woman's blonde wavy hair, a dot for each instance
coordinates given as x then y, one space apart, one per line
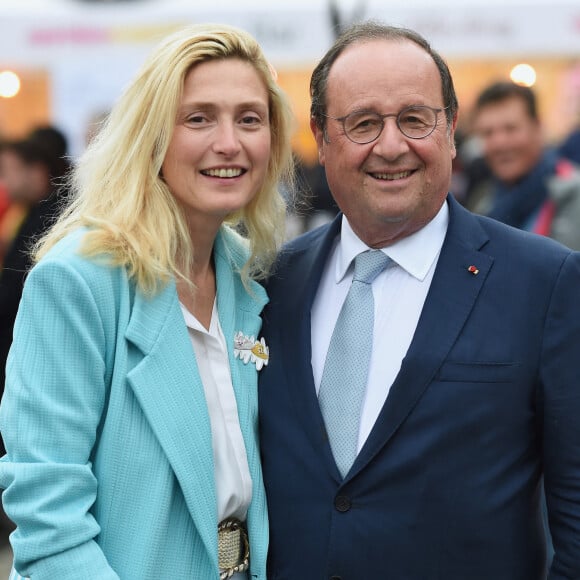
116 188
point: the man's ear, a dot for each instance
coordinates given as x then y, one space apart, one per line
452 136
318 134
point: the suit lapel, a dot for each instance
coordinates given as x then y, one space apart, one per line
453 293
296 337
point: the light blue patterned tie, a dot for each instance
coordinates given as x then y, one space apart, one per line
345 374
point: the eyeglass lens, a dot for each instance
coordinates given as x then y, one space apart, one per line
413 122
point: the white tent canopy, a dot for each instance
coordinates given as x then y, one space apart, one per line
301 29
91 49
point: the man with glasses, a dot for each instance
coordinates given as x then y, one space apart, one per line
422 377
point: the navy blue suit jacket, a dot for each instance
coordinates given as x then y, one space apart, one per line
448 483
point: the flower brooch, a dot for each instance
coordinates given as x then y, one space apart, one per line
247 349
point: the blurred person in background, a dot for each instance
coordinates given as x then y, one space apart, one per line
531 187
308 199
5 204
32 171
320 205
4 199
570 146
11 215
130 408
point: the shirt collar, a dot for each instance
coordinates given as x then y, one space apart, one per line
415 253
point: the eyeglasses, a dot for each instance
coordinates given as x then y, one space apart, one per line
415 122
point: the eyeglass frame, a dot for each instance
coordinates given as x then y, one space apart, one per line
382 118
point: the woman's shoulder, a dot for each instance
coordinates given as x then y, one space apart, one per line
67 258
67 247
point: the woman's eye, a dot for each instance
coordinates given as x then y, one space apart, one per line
198 119
251 120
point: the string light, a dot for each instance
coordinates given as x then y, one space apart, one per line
9 84
523 74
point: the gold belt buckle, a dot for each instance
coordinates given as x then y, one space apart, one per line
233 548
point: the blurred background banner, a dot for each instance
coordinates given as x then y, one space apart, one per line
73 57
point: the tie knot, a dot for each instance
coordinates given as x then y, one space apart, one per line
368 265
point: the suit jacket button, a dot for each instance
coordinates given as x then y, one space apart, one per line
342 503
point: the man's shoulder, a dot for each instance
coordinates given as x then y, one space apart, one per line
300 257
308 240
305 244
505 241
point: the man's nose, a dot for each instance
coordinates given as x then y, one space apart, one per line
391 143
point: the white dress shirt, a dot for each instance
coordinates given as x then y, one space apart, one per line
399 293
232 473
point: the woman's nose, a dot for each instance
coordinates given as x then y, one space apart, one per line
226 139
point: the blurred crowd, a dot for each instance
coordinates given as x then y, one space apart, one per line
504 168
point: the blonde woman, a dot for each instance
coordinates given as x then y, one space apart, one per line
130 413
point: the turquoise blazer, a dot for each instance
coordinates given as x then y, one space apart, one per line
109 471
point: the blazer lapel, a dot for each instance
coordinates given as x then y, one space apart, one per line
166 383
453 293
239 310
244 317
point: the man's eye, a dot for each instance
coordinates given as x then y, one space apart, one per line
413 120
364 123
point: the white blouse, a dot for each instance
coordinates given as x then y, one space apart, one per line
232 473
